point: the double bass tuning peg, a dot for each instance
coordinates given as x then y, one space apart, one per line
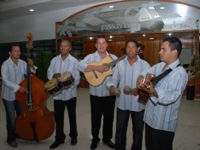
29 44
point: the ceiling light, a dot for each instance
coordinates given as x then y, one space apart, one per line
143 35
31 9
90 38
162 7
151 8
182 9
111 6
111 36
151 38
169 34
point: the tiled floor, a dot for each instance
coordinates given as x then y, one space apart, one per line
187 136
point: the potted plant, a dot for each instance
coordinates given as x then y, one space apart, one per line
42 62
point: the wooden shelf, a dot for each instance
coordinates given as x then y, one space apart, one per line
47 45
190 68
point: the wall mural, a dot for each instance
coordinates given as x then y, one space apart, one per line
128 17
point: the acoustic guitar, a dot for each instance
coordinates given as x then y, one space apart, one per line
95 78
144 96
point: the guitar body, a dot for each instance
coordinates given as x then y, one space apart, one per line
97 79
143 96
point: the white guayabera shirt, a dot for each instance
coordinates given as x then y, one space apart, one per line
12 75
100 90
58 65
127 75
162 113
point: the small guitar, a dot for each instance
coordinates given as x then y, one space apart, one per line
144 96
95 78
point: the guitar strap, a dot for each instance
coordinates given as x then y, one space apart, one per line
158 78
110 56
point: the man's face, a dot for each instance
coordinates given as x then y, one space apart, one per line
64 48
131 50
15 52
166 54
101 45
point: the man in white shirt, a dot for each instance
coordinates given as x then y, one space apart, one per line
67 98
161 111
125 74
12 73
101 102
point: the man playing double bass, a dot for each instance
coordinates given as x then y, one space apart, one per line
12 73
67 98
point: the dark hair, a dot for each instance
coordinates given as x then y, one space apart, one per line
134 41
141 46
174 44
100 37
10 48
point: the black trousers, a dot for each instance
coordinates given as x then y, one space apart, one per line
102 106
59 109
158 139
121 129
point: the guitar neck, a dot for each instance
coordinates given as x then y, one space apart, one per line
117 60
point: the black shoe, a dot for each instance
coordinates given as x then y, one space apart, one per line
93 145
73 141
56 144
110 144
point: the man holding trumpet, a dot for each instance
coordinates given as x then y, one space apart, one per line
126 73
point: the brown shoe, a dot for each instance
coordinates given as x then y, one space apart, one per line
13 144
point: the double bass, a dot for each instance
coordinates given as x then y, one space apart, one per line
35 121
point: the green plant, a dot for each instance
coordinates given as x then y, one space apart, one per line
42 62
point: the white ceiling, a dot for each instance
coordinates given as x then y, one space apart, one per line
17 8
92 21
131 16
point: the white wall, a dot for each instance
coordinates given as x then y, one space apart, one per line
185 57
42 26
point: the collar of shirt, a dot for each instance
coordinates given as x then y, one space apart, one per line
97 54
11 62
68 57
126 59
173 65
